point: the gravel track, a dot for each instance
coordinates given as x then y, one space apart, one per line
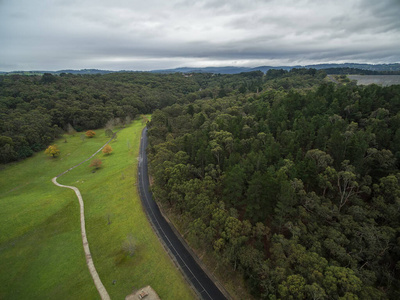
89 261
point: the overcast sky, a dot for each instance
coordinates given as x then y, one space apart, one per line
158 34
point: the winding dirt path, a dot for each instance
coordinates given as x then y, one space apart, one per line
89 261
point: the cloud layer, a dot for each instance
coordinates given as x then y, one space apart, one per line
154 34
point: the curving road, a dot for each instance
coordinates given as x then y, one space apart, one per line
205 287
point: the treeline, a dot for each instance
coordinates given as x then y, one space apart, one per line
354 71
281 73
297 190
299 79
36 109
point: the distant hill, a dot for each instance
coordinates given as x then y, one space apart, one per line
229 70
378 67
236 70
85 71
38 72
222 70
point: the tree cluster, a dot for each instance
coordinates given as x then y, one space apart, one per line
347 71
297 190
293 79
34 110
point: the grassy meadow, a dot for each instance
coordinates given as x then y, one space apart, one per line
41 254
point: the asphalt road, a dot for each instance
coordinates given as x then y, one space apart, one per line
199 279
333 79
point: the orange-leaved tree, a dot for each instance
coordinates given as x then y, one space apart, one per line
52 150
96 163
90 133
107 149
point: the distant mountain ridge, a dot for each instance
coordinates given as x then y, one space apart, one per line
224 70
70 71
236 70
221 70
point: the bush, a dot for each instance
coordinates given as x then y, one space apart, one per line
129 246
90 133
96 163
52 150
107 150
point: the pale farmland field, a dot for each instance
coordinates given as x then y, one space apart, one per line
383 80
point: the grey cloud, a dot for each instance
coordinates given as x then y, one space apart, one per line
106 34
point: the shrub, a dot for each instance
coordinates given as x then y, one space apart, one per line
107 150
90 133
96 163
52 150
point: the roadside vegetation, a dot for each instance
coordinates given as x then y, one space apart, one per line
41 250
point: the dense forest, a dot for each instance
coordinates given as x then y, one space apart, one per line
290 181
295 186
34 110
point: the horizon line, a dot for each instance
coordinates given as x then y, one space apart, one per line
206 67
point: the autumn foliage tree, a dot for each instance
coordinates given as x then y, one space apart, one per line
90 133
96 163
52 151
107 149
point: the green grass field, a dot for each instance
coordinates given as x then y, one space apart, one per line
41 254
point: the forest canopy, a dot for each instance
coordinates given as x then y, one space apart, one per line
34 110
298 190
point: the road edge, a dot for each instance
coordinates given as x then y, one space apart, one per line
182 240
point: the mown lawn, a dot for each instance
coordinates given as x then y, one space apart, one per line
41 254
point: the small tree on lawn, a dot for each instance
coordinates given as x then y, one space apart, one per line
110 124
90 133
117 121
52 150
70 129
128 120
107 150
96 163
129 246
109 132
